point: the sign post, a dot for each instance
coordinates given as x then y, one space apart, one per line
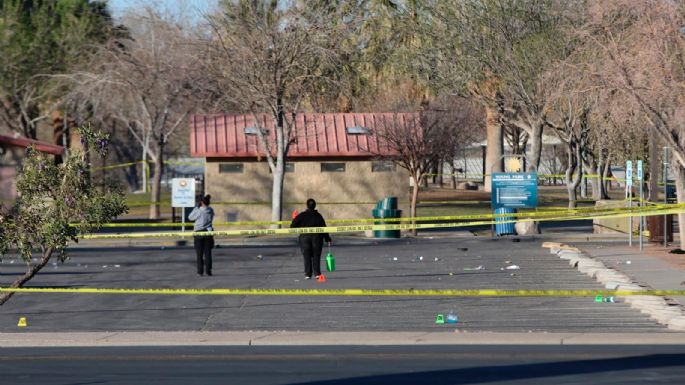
640 176
183 195
629 198
665 193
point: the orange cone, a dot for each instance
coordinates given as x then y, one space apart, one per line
295 214
322 278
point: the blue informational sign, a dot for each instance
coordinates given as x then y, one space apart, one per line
514 189
182 192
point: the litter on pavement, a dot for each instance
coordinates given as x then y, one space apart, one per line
479 267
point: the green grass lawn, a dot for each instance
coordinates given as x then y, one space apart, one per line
470 202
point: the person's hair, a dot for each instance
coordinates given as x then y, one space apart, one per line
206 199
311 204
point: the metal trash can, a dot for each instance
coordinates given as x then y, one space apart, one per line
670 192
505 228
386 208
389 203
655 225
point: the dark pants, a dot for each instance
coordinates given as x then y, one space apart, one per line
203 247
311 246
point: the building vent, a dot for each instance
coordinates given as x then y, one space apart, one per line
252 130
358 130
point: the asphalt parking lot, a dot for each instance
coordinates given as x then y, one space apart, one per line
439 263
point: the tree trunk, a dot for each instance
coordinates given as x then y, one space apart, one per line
596 181
454 176
654 175
277 191
583 180
535 147
679 171
145 165
413 203
19 282
441 166
155 191
606 168
572 177
494 151
279 171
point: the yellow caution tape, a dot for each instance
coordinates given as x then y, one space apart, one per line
529 217
480 176
268 203
420 203
174 162
546 212
347 292
116 166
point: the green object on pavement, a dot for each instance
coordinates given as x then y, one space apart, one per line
598 298
440 319
330 262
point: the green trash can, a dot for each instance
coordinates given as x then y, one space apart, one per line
389 203
383 210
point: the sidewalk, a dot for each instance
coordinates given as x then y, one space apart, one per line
285 338
654 267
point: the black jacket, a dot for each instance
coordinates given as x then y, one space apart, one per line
310 218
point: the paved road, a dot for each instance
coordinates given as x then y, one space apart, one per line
435 365
370 265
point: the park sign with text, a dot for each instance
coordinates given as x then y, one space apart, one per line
514 190
182 192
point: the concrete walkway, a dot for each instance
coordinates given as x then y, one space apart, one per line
654 266
265 338
627 268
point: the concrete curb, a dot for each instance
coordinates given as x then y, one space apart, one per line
302 338
656 307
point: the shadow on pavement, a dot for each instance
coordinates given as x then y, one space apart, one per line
485 374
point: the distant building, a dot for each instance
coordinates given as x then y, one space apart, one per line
12 151
470 163
336 159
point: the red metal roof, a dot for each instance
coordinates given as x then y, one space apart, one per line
39 145
315 134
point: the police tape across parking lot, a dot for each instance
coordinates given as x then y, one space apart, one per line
467 221
355 292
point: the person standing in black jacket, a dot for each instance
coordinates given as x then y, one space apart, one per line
311 244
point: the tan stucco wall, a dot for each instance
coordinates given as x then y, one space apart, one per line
329 189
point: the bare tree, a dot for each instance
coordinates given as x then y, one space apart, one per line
496 51
269 57
460 122
642 48
415 144
417 141
572 128
149 83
